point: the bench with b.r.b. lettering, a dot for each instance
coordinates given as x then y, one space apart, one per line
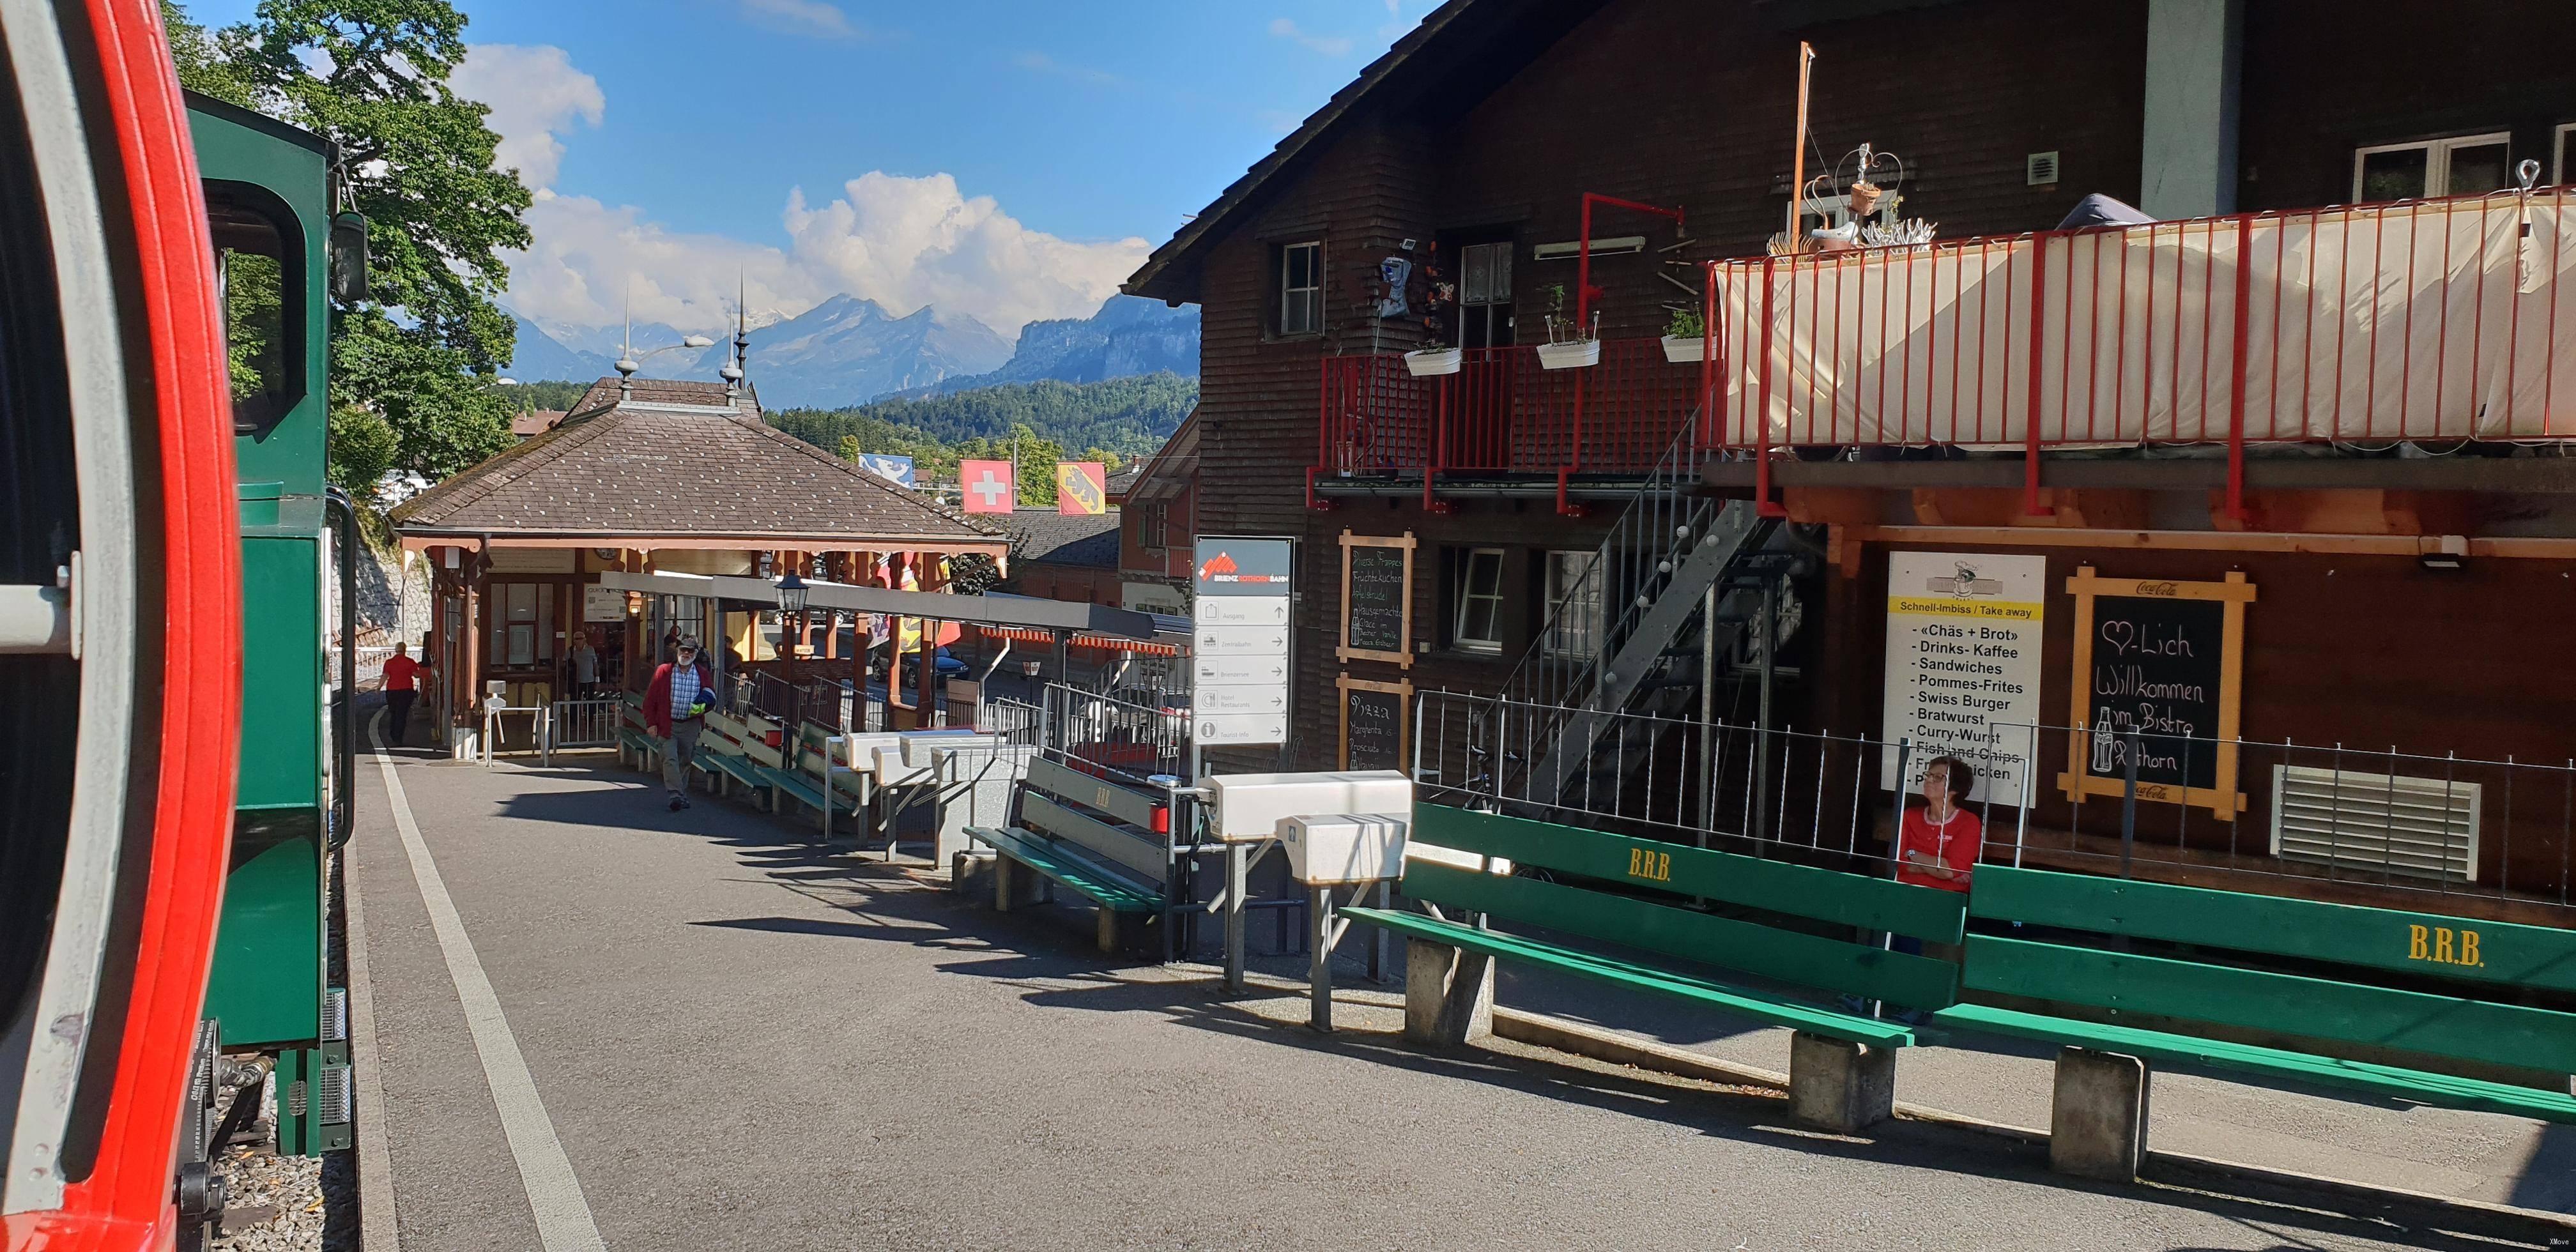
2416 1006
1791 926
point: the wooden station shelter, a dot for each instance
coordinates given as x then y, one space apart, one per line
650 476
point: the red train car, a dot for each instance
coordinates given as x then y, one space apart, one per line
119 630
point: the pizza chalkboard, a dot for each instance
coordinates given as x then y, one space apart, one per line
2158 670
1377 593
1374 727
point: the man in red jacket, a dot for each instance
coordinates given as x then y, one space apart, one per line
675 707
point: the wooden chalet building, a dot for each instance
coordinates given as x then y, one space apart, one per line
1158 506
657 477
2286 465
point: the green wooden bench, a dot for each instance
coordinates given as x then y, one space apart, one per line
2300 986
1108 843
1639 894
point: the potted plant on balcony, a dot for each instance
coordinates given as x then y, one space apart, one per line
1686 336
1425 362
1570 345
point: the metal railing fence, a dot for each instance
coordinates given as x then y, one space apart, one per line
584 723
2447 832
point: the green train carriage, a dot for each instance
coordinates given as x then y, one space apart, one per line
271 191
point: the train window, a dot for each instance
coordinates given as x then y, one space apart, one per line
259 258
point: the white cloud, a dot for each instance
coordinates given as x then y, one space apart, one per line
907 242
1328 45
903 242
802 17
535 95
1041 63
589 257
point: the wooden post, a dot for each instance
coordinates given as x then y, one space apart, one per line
470 674
926 693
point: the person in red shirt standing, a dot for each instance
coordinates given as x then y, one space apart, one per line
401 688
1937 844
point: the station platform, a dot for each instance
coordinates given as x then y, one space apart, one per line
597 1023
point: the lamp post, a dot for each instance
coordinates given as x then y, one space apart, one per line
791 593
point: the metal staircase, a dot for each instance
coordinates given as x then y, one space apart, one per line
1621 638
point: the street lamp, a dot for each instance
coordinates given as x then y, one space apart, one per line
791 593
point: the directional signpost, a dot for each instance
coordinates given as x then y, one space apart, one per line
1239 692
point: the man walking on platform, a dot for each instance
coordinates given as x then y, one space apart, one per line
675 707
402 686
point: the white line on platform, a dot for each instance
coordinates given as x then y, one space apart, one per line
378 1228
564 1223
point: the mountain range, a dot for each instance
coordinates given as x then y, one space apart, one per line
849 350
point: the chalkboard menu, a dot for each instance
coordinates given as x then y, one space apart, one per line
2155 680
1377 599
1376 727
2158 677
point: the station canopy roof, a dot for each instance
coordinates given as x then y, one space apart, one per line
680 465
1020 612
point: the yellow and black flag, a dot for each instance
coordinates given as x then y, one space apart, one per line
1081 489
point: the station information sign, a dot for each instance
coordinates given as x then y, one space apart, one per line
1239 652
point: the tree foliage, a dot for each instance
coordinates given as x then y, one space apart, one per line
371 75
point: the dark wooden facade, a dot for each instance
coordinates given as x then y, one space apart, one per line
1493 128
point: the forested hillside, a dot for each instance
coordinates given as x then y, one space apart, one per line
1125 417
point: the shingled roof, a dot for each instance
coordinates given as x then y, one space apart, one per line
1047 537
674 460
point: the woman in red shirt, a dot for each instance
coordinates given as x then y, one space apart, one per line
1937 844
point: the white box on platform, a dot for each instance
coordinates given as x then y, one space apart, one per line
1342 848
1250 806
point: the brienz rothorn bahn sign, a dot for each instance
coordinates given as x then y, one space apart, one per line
1240 661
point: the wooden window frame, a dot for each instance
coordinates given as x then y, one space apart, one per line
2437 158
1279 284
1552 603
1462 594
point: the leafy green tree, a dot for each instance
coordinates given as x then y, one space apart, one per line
371 75
363 448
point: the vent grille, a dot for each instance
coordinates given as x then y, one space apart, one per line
2416 827
2041 167
335 1093
335 1015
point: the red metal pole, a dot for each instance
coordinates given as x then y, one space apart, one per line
1761 433
2030 505
2236 382
1708 356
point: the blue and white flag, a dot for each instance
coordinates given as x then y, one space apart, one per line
893 469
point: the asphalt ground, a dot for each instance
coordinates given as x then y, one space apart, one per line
741 1042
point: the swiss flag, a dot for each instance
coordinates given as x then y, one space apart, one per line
988 485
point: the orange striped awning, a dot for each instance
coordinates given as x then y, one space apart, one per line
1080 639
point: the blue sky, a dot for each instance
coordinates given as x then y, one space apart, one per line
669 135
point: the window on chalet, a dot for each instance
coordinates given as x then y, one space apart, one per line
1573 605
2465 166
1301 289
1476 600
1153 525
1485 295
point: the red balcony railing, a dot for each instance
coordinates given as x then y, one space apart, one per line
2433 320
1501 414
2436 321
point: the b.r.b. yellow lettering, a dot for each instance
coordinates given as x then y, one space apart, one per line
1657 866
2441 945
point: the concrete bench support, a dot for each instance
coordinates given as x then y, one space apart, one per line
1448 994
1121 931
2097 1125
1838 1085
1015 884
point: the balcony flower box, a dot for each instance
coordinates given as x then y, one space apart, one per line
1430 361
1573 354
1685 349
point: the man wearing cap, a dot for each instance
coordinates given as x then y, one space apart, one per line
675 707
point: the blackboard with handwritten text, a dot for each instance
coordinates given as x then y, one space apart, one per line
2158 673
1373 606
1373 726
